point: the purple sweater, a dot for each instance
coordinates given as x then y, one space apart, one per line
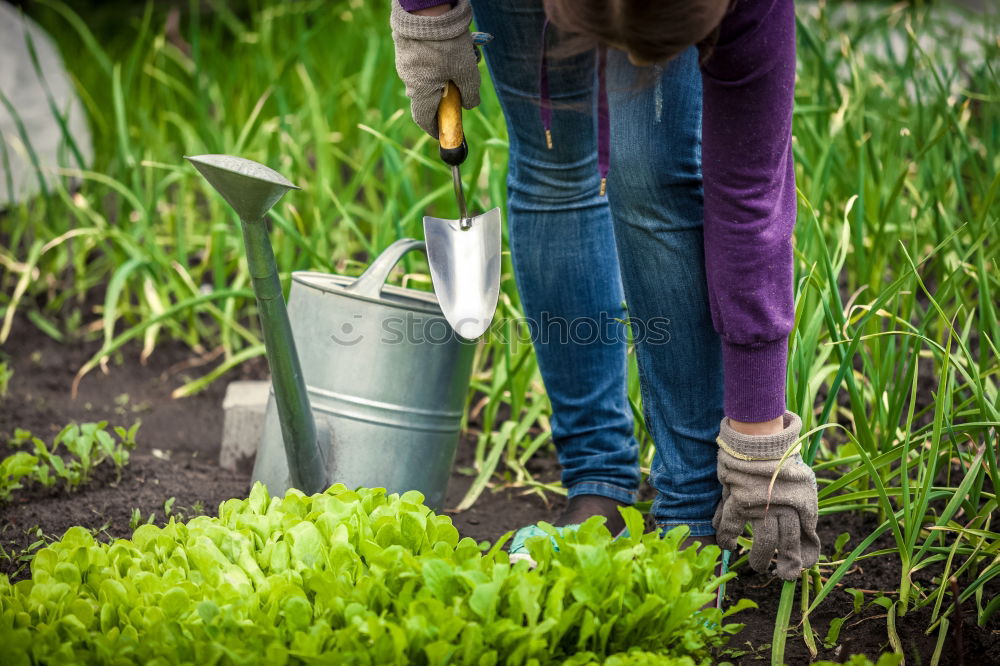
749 182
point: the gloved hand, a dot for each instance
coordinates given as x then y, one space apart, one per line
430 51
783 516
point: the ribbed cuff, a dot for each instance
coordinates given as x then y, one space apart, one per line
441 28
761 447
754 377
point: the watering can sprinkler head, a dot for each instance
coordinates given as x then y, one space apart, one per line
249 187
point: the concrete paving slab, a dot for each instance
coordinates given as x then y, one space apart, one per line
243 425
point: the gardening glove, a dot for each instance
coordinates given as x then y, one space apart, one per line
430 51
783 513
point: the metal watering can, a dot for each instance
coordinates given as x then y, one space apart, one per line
368 380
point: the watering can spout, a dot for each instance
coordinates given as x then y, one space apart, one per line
252 189
249 187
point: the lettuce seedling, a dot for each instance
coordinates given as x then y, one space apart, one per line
87 445
13 469
358 576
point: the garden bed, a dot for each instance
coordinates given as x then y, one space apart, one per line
177 454
890 359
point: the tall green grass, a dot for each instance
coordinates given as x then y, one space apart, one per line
893 362
894 355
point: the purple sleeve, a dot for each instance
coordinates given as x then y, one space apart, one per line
749 181
414 5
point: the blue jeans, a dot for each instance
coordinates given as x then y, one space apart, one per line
579 258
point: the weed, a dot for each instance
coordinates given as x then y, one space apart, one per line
21 558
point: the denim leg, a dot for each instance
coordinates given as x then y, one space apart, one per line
656 200
563 250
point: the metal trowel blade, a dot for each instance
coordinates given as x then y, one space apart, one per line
465 270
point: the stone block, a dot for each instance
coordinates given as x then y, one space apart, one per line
243 426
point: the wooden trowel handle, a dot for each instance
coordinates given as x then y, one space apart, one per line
453 148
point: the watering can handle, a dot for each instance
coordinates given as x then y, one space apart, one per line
372 280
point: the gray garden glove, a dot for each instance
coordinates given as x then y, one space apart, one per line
430 51
783 516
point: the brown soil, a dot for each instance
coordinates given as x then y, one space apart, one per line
177 455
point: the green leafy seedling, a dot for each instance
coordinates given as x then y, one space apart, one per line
120 452
44 476
21 438
858 598
88 446
70 473
81 442
833 633
127 437
287 568
22 558
839 544
13 469
40 471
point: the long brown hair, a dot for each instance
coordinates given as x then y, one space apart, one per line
651 30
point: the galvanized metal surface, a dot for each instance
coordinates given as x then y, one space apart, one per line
464 260
464 221
249 187
386 377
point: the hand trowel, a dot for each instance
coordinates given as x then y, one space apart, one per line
463 254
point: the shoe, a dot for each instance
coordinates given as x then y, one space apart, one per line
722 570
518 546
